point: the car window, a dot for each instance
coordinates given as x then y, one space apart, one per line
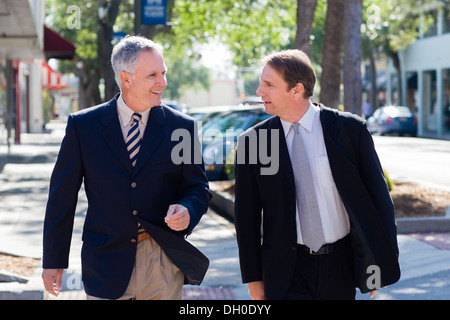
232 120
262 117
235 122
377 113
398 111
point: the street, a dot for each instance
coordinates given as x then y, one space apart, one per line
418 160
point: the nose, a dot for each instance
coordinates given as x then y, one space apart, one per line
258 91
162 81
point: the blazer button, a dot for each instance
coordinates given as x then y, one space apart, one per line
133 184
133 240
135 212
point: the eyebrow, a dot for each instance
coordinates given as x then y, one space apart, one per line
267 82
156 72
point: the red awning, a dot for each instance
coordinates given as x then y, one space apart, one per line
51 79
56 46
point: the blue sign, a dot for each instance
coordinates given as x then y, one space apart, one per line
117 36
153 12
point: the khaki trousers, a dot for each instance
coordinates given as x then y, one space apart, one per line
154 275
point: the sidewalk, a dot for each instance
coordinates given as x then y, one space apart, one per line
24 178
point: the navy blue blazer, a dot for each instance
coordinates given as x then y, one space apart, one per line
93 150
360 182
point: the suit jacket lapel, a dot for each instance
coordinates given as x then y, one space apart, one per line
152 137
112 134
285 161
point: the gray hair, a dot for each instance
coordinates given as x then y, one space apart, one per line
126 52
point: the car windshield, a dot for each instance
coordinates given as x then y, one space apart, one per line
234 122
398 111
231 121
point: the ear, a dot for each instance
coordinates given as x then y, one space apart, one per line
126 79
298 90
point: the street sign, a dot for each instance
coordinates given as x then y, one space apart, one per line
153 11
117 36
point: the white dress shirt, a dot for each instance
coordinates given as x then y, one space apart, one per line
125 118
335 221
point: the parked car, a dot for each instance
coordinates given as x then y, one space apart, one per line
393 119
173 104
204 114
219 137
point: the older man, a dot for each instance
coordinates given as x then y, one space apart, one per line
141 203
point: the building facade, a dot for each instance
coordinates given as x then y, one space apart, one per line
25 46
425 67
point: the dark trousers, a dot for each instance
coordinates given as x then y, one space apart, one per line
323 277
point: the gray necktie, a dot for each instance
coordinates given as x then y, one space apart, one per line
308 209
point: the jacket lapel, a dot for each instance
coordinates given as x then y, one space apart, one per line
112 134
285 166
152 137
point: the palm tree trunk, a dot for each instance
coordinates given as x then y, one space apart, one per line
352 56
330 80
305 18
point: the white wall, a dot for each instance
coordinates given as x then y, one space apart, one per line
221 92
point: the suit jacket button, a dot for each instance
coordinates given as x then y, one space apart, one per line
135 212
133 240
133 184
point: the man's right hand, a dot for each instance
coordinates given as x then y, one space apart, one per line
256 290
52 280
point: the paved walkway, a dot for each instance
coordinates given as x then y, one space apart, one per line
24 178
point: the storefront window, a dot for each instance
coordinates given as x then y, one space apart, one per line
431 21
430 109
446 20
2 104
446 101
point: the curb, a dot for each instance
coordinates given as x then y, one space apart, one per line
424 224
224 203
22 288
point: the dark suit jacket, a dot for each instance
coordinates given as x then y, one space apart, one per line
94 150
360 182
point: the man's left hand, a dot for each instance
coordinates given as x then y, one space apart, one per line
177 217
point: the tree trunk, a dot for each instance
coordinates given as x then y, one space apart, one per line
330 80
396 61
89 94
305 18
352 56
373 80
105 47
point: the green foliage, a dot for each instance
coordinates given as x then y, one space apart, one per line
47 106
392 25
58 17
184 72
250 28
389 182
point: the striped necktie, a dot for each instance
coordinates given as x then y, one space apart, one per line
133 140
308 209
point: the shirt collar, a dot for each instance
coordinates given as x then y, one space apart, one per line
307 121
125 113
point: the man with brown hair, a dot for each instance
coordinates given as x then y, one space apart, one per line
327 216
